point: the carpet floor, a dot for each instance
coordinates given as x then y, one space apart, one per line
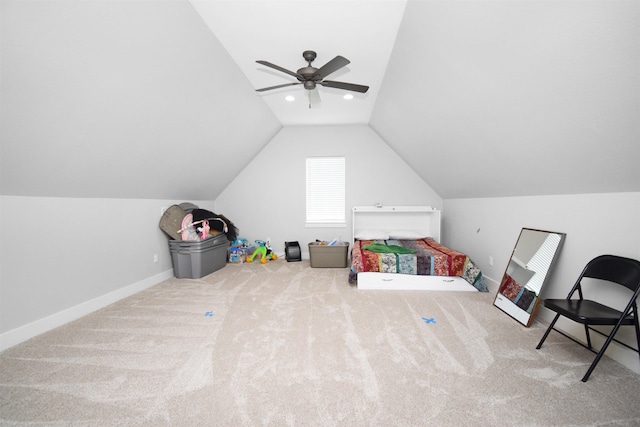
286 344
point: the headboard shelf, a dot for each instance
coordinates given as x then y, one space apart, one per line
424 220
393 209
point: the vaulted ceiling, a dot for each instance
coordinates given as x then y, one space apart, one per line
280 31
481 98
514 98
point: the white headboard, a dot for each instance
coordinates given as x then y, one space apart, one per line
422 219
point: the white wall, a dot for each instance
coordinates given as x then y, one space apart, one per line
479 85
595 224
63 258
268 198
122 99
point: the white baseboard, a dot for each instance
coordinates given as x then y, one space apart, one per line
23 333
492 284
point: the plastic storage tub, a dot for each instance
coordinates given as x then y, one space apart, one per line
325 256
195 259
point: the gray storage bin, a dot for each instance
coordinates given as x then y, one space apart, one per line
325 256
196 259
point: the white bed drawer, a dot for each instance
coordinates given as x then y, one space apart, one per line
369 280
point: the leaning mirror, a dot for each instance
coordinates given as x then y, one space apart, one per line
531 262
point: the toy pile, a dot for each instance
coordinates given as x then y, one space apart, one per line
199 239
190 223
241 252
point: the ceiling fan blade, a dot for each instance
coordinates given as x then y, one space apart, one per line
345 86
277 86
334 65
279 68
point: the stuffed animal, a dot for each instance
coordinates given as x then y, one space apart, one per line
203 231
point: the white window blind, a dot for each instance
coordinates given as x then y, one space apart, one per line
325 190
541 261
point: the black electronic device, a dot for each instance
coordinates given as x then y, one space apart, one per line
292 251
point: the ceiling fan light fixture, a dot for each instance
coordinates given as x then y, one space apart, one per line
290 98
348 96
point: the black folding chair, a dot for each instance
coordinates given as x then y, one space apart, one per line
614 269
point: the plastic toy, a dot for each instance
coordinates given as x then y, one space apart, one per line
240 242
238 251
237 255
265 252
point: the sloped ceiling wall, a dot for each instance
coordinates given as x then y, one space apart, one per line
499 98
138 99
126 99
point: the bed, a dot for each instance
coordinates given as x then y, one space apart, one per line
398 247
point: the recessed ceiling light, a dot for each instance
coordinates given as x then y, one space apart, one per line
290 98
348 96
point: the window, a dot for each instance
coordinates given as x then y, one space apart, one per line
325 191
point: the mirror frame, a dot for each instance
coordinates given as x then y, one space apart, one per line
525 317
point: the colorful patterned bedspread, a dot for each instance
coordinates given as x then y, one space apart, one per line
518 294
430 259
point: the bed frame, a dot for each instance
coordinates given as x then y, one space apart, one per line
423 219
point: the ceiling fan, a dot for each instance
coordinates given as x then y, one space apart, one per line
310 76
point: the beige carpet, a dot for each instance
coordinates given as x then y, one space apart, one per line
284 344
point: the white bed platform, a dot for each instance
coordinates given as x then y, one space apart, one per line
407 282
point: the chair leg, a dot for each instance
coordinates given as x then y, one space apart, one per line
601 352
637 331
544 337
586 332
